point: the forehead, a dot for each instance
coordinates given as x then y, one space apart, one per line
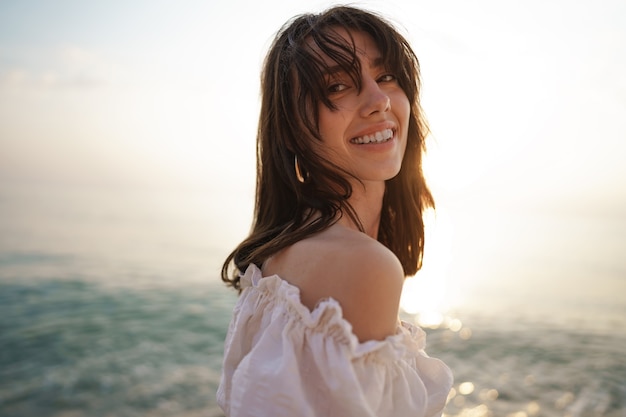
363 45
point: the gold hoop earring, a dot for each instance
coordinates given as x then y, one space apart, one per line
299 175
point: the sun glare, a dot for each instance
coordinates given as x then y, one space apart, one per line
425 295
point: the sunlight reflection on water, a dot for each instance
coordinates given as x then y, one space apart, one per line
100 251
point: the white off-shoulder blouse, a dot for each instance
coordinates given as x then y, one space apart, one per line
281 359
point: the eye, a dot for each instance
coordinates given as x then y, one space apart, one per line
336 87
386 78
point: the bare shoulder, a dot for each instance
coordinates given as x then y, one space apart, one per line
370 294
359 272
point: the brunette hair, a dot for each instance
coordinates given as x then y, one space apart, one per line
293 84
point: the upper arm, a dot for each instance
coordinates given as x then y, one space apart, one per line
371 292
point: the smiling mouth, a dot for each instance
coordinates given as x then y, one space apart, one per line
376 137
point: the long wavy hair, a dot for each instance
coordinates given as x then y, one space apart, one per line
293 85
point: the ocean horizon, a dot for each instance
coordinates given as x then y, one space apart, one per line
111 305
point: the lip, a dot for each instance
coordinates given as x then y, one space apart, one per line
376 128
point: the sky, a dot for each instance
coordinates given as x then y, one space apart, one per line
526 103
526 100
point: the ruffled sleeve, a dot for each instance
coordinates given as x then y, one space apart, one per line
280 359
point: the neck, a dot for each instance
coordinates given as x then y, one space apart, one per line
367 202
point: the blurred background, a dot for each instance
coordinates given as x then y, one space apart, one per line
127 135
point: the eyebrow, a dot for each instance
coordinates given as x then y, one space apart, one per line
377 62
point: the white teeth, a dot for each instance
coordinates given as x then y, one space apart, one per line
377 137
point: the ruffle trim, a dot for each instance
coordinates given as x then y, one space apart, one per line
408 342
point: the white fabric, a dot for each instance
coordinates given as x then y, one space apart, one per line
281 359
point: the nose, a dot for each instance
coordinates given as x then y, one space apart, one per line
375 99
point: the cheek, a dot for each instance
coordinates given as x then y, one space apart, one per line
325 122
404 109
331 124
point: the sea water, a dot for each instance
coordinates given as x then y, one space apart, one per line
111 305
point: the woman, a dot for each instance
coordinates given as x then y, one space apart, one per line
337 227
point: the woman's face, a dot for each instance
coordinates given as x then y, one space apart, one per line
367 132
